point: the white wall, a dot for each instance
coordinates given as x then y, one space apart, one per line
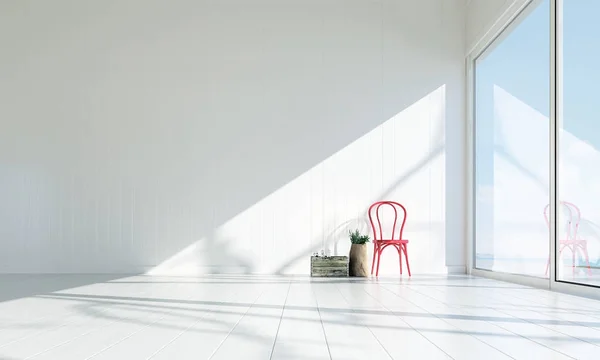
186 137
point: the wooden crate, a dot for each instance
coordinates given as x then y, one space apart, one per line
329 266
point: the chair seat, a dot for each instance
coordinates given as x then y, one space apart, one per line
392 241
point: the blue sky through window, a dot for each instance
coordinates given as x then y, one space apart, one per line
520 64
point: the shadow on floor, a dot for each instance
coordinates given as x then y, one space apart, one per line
154 303
21 286
96 307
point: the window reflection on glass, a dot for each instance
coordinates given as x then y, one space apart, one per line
579 144
512 91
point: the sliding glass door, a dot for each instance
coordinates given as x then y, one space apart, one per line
511 109
578 146
536 147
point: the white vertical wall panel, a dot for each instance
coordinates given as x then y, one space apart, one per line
187 137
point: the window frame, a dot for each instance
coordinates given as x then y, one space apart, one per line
510 18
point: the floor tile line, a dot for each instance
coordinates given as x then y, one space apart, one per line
550 329
547 295
103 308
72 318
72 339
407 324
280 320
544 291
252 316
454 326
130 335
496 325
366 326
200 319
524 320
321 320
235 325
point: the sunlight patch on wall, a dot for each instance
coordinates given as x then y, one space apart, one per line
400 160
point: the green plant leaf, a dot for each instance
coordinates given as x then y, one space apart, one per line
357 238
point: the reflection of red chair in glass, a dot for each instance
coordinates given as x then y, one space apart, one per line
379 241
572 239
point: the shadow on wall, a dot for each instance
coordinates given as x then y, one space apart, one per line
211 156
340 233
275 234
315 211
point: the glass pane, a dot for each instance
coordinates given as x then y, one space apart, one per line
579 143
512 91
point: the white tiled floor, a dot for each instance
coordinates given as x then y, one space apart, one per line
250 317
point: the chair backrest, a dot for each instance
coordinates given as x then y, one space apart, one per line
573 218
398 224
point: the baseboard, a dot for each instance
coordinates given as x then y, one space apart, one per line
456 270
205 270
524 280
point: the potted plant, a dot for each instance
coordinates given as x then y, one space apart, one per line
358 263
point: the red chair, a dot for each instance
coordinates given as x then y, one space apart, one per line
379 239
572 239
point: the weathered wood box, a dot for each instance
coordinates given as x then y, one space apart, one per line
329 266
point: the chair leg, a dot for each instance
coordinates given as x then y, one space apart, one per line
373 262
405 248
400 258
378 262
